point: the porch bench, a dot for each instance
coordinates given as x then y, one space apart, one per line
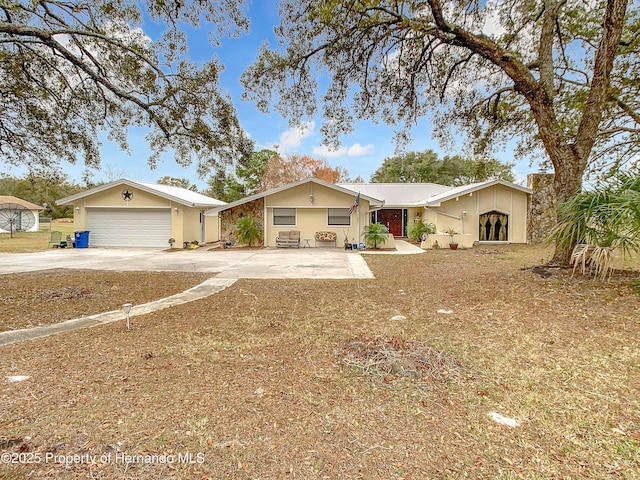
288 238
326 237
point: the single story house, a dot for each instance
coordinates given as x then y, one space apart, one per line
494 211
25 216
311 206
130 213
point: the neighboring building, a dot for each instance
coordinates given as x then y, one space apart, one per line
129 213
8 203
493 211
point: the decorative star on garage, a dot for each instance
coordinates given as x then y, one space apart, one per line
127 194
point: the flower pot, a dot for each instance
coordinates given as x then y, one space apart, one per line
453 246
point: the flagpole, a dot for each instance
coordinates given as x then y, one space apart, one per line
358 223
356 208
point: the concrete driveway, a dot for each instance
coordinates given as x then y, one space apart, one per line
229 264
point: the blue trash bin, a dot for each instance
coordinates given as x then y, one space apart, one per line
81 239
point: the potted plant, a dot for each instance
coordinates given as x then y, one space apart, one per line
417 230
453 245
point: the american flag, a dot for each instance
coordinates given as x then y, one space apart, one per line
353 207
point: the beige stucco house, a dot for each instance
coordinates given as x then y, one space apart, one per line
310 206
130 213
494 211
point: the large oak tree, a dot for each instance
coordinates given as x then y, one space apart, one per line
560 76
70 69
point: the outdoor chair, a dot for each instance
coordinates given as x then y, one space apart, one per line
54 241
289 239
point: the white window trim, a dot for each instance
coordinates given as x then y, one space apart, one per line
339 225
273 217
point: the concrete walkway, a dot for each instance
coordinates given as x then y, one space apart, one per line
402 248
206 288
232 265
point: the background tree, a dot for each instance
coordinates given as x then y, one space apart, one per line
108 173
225 186
251 170
178 182
41 189
282 170
73 69
426 167
246 180
560 76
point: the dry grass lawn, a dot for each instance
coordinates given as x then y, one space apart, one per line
52 296
35 241
275 379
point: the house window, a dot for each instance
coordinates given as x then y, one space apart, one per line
284 217
494 227
338 217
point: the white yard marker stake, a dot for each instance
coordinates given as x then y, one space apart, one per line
127 308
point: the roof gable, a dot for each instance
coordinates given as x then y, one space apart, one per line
19 201
435 200
175 194
288 186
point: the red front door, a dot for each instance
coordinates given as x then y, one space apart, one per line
392 218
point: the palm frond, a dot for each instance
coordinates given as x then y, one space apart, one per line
607 216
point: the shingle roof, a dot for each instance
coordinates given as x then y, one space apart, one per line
19 201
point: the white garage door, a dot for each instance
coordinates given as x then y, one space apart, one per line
129 227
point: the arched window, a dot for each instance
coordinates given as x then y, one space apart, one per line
494 227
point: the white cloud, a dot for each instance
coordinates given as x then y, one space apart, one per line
355 150
324 151
292 138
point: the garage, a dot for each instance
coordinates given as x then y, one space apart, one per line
131 213
128 227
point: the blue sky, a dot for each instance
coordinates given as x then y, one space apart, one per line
362 152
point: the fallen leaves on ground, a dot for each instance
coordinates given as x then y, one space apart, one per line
251 379
52 296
